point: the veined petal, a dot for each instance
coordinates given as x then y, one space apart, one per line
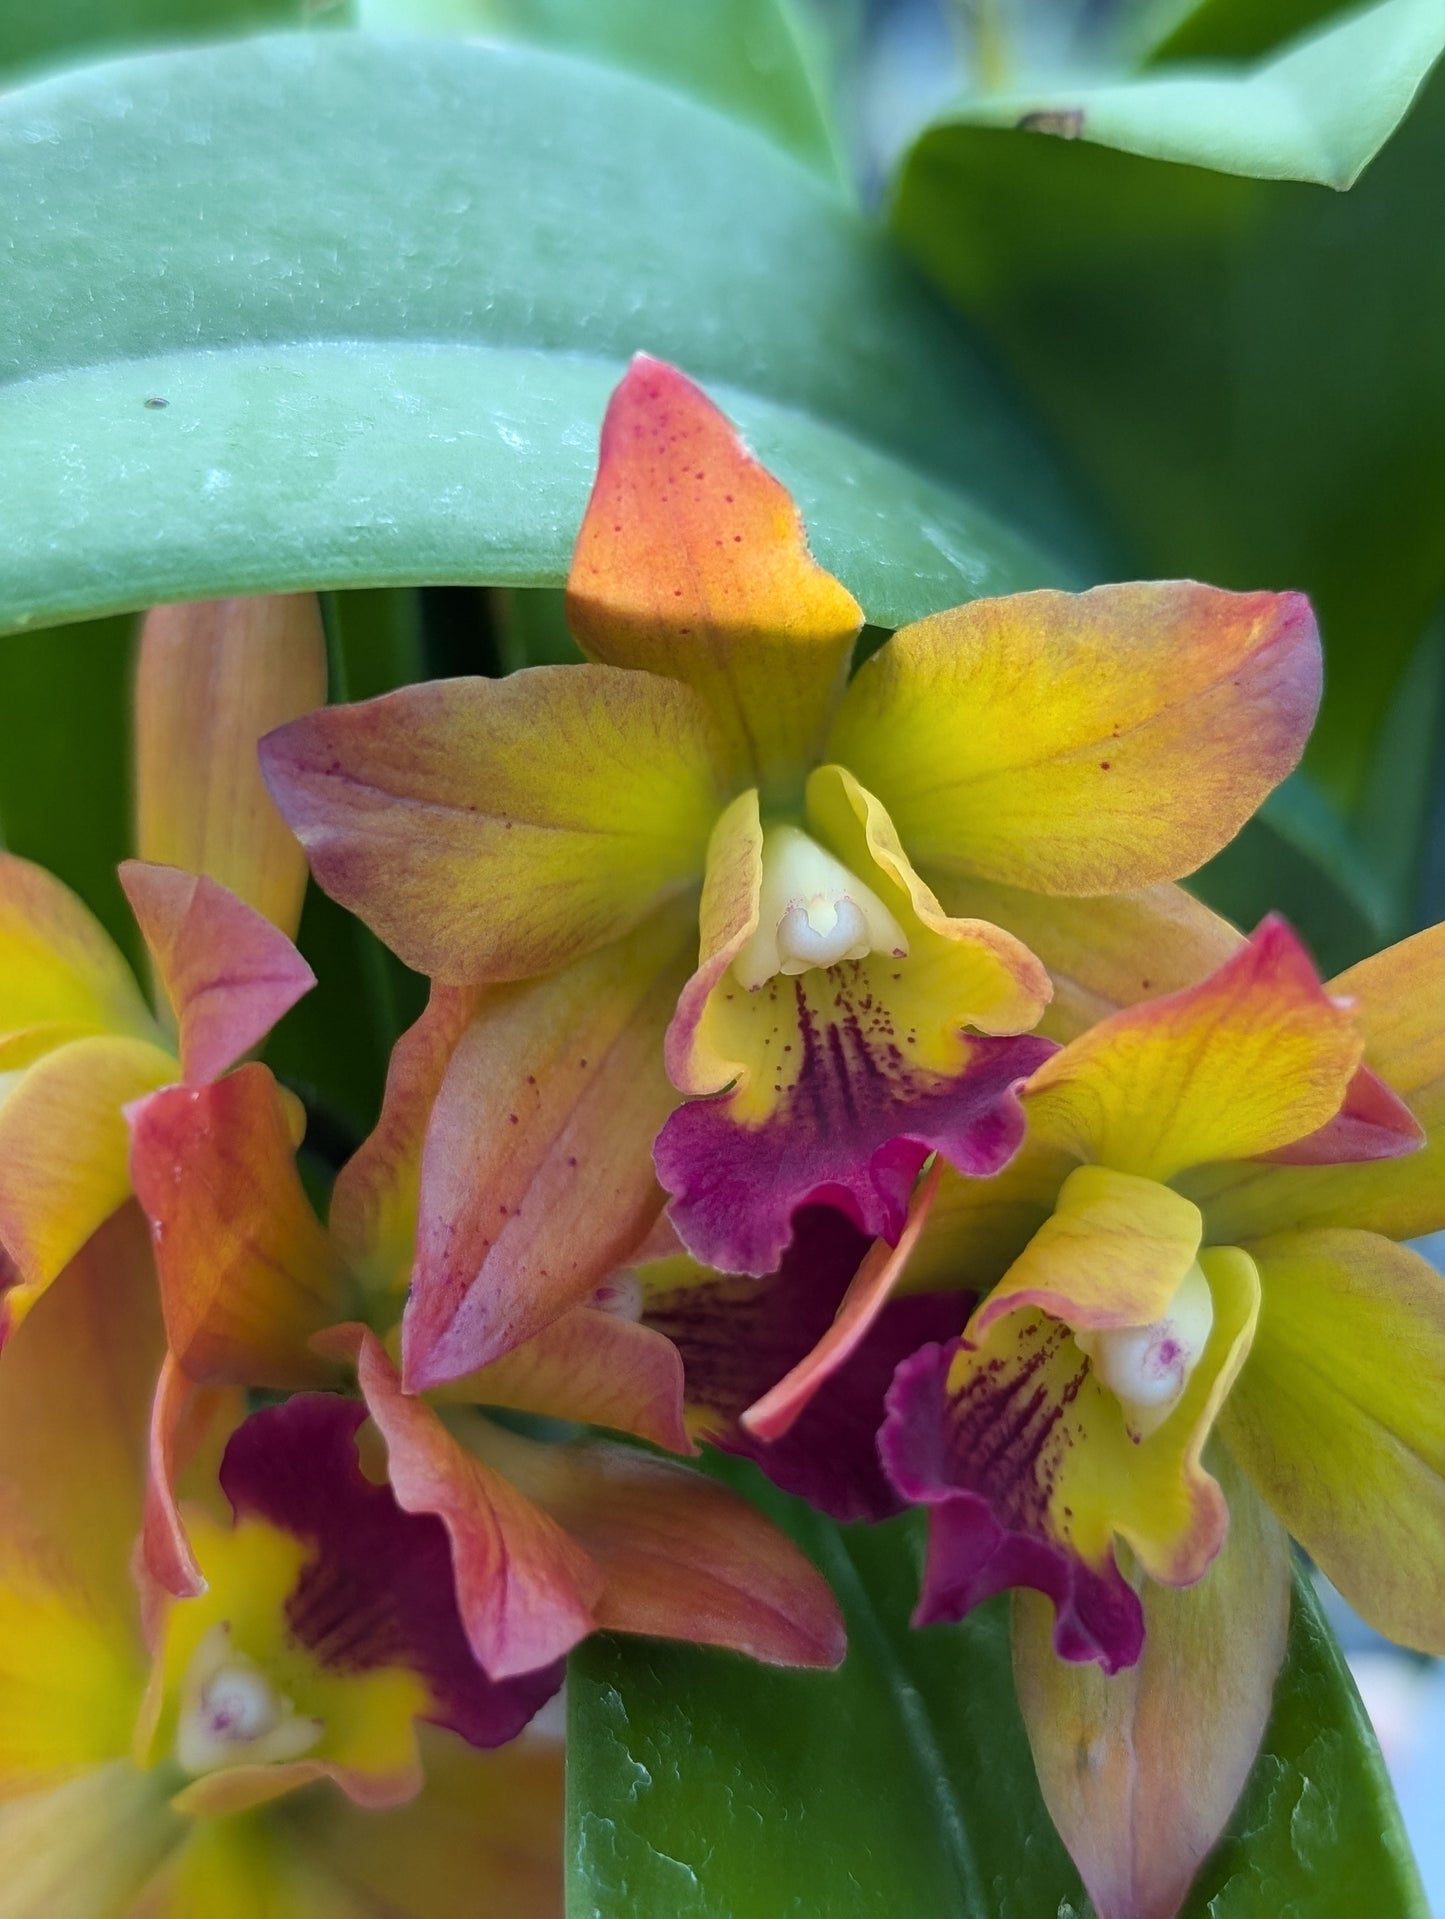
497 829
597 1368
485 1835
693 561
843 1078
1101 953
524 1588
227 972
59 968
536 1177
682 1557
738 1337
189 1428
212 677
1030 1470
1141 1771
74 1386
1084 743
1399 1002
1111 1254
978 1227
1255 1056
63 1155
87 1847
247 1274
1338 1418
376 1194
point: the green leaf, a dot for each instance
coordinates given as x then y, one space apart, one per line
752 59
902 1788
1247 373
65 776
396 373
1224 29
38 36
1318 111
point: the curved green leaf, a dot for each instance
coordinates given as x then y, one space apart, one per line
748 58
1320 110
902 1787
242 354
1247 372
35 37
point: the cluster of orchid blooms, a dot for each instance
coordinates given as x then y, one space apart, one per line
820 1064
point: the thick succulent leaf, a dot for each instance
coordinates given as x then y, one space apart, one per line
1320 109
902 1785
442 425
1184 331
750 59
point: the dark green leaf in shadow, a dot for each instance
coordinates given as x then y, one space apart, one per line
39 34
65 779
1247 372
213 382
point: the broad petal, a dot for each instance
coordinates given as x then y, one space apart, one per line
1399 1000
212 677
376 1194
227 972
498 829
247 1274
1084 743
737 1337
88 1846
595 1367
379 1589
1101 953
1339 1420
537 1178
1030 1471
1111 1254
59 968
1140 1772
682 1557
978 1227
63 1156
74 1387
867 1297
484 1836
693 561
1374 1123
1255 1056
524 1588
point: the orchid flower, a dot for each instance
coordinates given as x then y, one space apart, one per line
216 893
712 783
1143 1303
548 1542
226 1754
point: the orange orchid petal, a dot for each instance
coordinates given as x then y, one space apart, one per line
247 1273
1338 1418
693 562
594 1367
211 678
1170 1741
498 829
682 1557
63 1155
189 1427
1102 953
1399 1002
375 1196
871 1289
1254 1057
537 1175
1083 743
978 1227
228 973
524 1587
59 969
485 1835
